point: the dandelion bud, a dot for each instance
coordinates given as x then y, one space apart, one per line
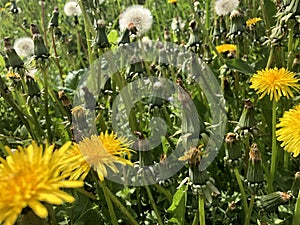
79 117
54 19
125 38
101 40
90 101
255 176
270 202
33 88
237 24
232 150
14 9
163 172
296 184
40 50
247 120
64 99
13 59
296 63
217 29
195 39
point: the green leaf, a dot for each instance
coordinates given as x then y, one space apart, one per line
178 206
73 78
240 65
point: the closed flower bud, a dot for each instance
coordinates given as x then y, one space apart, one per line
247 122
14 9
125 38
255 175
296 184
40 49
33 88
237 26
54 19
101 40
270 202
195 39
233 150
79 117
13 59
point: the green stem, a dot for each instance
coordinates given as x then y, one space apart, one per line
247 222
296 217
109 203
274 149
242 190
156 211
57 58
121 207
196 218
165 192
207 14
270 59
201 209
290 45
46 101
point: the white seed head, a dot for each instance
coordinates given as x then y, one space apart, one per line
138 16
224 7
72 9
101 2
24 46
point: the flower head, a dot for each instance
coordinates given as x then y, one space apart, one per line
104 151
275 82
24 46
226 48
252 21
72 8
289 131
30 176
224 7
136 16
172 1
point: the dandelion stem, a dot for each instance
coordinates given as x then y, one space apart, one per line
165 192
247 222
46 100
296 217
121 207
109 203
290 44
274 149
207 14
56 58
196 218
242 190
159 220
201 209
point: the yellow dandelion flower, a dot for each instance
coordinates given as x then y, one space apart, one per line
79 168
172 1
226 48
275 82
12 74
193 155
252 21
30 176
104 151
289 131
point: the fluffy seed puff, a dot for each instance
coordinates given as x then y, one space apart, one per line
72 8
138 17
225 7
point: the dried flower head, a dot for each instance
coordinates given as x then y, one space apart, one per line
72 8
24 46
275 82
225 7
289 131
137 16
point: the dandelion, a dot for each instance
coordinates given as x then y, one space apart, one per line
289 131
275 82
24 46
80 167
172 1
252 21
138 17
177 24
104 151
72 9
224 7
31 176
226 48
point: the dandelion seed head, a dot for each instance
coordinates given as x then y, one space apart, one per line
72 9
137 16
224 7
24 46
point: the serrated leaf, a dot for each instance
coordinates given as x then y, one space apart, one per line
73 78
